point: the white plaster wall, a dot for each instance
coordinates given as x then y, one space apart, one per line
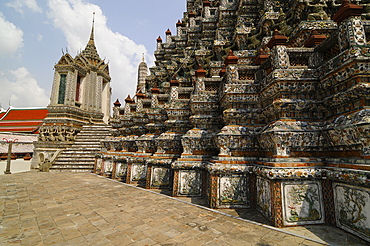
16 166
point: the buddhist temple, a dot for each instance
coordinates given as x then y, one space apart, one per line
79 111
255 104
251 104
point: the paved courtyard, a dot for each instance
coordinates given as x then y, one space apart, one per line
85 209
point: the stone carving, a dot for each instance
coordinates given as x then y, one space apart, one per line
233 191
249 90
190 183
121 170
108 166
58 133
288 173
263 197
42 135
197 140
302 203
355 177
352 206
138 172
318 13
352 129
235 138
160 177
45 165
98 165
70 134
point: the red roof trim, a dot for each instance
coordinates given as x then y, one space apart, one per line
22 119
27 130
24 114
28 123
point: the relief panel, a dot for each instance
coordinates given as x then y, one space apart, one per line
233 191
302 203
190 183
352 209
121 170
160 177
98 165
108 166
264 197
138 172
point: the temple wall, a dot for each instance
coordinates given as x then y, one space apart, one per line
16 166
260 111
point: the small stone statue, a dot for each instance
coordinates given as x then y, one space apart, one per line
45 165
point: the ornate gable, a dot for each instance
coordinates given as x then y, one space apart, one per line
81 61
105 68
65 60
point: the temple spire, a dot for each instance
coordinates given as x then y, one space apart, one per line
91 41
90 50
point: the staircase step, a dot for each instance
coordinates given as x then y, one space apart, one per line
85 170
77 152
92 134
74 160
80 157
85 157
85 144
82 165
85 147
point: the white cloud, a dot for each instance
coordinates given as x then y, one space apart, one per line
11 37
74 18
21 89
39 37
20 5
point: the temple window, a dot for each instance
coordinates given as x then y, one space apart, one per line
78 91
78 88
62 88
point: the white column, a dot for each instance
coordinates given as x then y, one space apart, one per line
87 93
92 88
55 89
70 88
98 94
105 101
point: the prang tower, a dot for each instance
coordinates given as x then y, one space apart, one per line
80 99
259 105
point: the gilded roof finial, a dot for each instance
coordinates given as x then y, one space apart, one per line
90 50
143 58
92 29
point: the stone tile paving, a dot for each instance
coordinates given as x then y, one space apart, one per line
84 209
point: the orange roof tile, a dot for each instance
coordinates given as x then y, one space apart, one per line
2 112
22 119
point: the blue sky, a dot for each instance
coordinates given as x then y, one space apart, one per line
34 32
